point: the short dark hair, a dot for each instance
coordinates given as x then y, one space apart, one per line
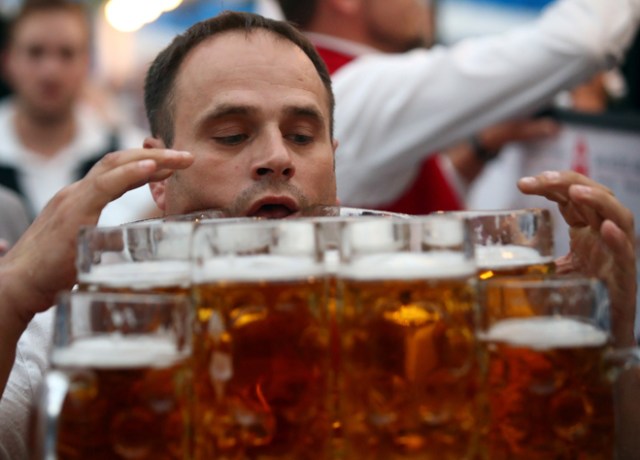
161 76
31 7
299 12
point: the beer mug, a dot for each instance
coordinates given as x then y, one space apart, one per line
119 381
139 257
328 221
261 342
347 211
511 242
548 361
194 217
406 309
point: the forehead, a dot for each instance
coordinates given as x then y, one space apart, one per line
258 66
51 26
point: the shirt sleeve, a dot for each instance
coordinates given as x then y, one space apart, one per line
393 110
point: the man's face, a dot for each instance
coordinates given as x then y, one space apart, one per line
398 25
48 61
255 114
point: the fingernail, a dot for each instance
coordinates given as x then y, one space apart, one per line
146 164
551 175
581 190
181 153
527 181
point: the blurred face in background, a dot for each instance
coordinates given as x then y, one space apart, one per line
399 25
47 62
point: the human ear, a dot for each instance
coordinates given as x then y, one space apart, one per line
158 189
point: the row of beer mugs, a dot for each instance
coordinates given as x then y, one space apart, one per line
400 363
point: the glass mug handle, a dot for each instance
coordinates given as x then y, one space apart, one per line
620 360
53 392
625 373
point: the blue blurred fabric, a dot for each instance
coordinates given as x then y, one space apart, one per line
190 13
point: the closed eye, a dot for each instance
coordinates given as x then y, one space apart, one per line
234 139
300 139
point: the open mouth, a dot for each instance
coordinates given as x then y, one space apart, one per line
273 209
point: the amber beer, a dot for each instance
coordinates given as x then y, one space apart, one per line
548 392
409 369
511 260
128 398
262 355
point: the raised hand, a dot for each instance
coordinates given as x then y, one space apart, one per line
42 262
602 239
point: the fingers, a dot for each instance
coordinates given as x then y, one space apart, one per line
617 241
606 207
602 238
122 171
555 186
165 158
621 282
78 204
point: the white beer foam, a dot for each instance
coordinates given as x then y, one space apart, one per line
545 333
371 235
118 351
174 247
444 231
236 237
257 267
409 265
285 237
295 238
509 255
139 275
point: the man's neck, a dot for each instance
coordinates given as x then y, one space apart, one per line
44 136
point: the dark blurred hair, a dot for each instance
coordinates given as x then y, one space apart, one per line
300 12
161 76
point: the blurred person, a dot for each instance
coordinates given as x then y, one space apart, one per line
50 138
259 136
14 218
444 179
441 181
398 103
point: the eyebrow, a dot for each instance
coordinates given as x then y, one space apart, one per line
225 110
307 111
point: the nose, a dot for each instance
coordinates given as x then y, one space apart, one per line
51 64
273 160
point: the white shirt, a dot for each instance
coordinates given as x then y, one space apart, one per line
22 387
392 109
41 177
